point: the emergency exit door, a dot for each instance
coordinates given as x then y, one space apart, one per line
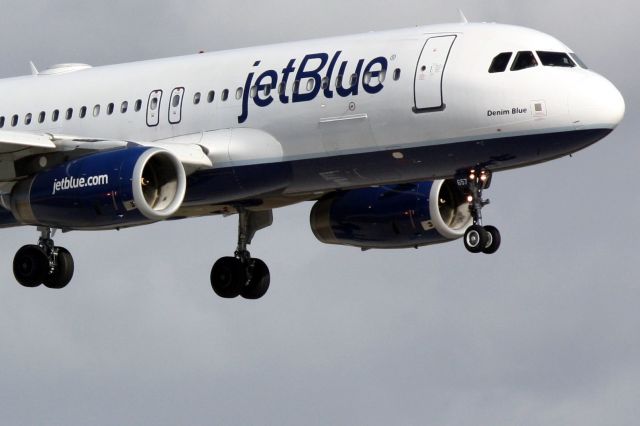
175 107
430 73
153 108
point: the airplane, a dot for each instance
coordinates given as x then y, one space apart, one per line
394 135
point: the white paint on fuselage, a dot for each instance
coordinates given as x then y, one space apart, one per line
572 97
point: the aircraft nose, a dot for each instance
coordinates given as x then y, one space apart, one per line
597 103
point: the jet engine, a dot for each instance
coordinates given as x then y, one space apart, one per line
389 217
106 190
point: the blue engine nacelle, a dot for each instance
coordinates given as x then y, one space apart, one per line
106 190
397 216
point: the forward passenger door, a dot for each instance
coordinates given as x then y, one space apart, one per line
430 73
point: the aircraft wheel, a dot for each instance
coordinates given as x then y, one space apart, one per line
494 236
259 282
30 266
475 239
228 277
63 272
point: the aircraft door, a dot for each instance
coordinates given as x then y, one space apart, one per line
175 107
153 108
430 73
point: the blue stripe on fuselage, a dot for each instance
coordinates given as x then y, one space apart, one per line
324 174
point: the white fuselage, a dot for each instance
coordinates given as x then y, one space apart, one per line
384 118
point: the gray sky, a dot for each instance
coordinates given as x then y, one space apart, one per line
544 332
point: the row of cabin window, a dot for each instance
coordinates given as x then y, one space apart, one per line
124 107
55 115
310 85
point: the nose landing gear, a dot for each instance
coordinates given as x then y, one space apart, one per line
243 275
43 263
479 238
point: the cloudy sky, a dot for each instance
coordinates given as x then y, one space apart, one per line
543 333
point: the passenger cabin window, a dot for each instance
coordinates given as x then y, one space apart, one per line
555 59
124 107
27 119
176 101
14 121
310 84
396 74
239 92
69 114
83 112
138 106
154 103
1 122
325 83
196 98
225 95
212 95
523 61
96 110
110 109
500 62
55 115
578 61
41 117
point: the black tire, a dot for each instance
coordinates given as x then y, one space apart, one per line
259 282
228 277
31 266
475 239
63 272
494 244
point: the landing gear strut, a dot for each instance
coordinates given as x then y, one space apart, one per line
479 238
243 275
43 263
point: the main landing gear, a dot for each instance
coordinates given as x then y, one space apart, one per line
479 238
243 275
43 263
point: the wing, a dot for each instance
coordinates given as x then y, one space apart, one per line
16 141
21 153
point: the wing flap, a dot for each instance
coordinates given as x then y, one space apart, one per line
12 141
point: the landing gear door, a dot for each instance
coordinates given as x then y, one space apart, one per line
430 73
175 108
153 108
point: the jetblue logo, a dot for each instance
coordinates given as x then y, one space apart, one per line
315 67
75 183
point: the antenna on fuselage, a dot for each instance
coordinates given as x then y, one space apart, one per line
34 70
463 19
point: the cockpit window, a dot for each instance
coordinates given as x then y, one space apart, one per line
556 59
500 62
578 61
524 60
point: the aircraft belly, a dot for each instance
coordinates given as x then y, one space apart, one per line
253 185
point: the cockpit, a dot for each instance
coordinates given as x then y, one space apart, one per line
530 59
